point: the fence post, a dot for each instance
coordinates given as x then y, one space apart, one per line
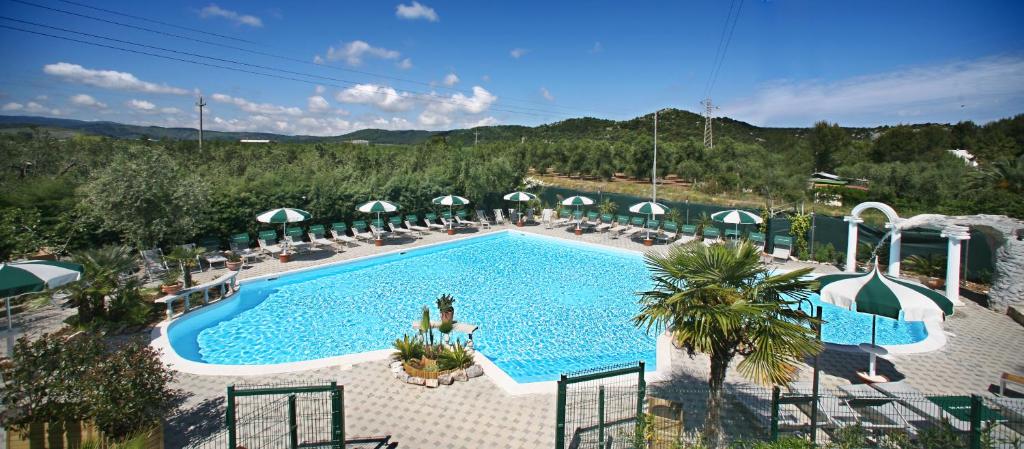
775 413
976 405
817 379
229 416
641 393
293 424
337 416
600 416
560 414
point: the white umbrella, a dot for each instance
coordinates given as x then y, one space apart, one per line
378 207
737 217
450 201
520 197
577 201
284 215
649 208
19 278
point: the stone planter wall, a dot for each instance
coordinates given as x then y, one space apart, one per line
432 379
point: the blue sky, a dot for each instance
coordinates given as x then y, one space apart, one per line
441 65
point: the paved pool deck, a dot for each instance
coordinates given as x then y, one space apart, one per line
479 413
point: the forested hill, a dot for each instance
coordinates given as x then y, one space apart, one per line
674 124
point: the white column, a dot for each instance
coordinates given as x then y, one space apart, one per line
851 243
895 241
955 234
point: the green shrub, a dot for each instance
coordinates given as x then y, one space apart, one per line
407 349
454 357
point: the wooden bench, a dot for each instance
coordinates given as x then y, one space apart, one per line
1009 378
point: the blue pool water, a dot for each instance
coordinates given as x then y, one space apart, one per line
544 306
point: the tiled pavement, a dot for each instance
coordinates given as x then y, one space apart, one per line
982 344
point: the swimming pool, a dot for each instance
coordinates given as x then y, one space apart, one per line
544 305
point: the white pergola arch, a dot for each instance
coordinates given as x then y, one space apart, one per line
954 233
892 225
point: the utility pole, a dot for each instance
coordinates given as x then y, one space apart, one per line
708 109
201 104
654 166
476 137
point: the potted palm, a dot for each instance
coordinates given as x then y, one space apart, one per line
234 262
171 284
445 304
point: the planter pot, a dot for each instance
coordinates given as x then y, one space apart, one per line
378 242
171 289
648 242
448 316
234 266
578 232
520 223
934 283
284 258
451 232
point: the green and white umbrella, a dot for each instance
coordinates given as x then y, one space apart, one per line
19 278
577 201
284 215
883 295
519 197
736 217
649 208
378 207
450 201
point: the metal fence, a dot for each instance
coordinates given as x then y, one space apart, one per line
600 408
284 416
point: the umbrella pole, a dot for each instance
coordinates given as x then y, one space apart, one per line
10 331
872 356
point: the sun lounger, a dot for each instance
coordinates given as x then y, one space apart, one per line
529 216
564 218
484 222
293 236
317 236
1009 378
212 254
669 231
410 222
592 220
430 220
513 215
756 239
606 223
652 228
378 229
687 234
339 232
732 234
842 411
636 224
711 236
153 262
618 224
395 225
783 248
916 401
759 406
361 231
462 218
448 222
499 218
239 245
267 240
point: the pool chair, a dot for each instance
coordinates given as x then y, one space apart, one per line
211 254
499 218
378 229
564 218
293 236
757 239
687 234
636 225
267 239
410 222
430 219
339 232
462 218
484 221
618 224
924 408
712 236
529 216
395 225
836 412
669 231
318 236
448 222
153 262
783 248
361 231
653 227
606 223
239 245
513 215
759 406
732 235
593 220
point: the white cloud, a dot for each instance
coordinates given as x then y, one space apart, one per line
316 126
544 92
140 105
451 79
597 48
170 111
12 106
380 96
317 103
930 93
416 11
405 64
87 100
440 110
486 121
212 10
354 52
518 52
486 78
108 79
384 123
320 90
37 108
257 108
317 59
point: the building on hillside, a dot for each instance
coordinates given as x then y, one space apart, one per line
359 142
256 141
828 187
967 157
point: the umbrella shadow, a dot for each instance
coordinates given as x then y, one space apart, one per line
196 423
846 365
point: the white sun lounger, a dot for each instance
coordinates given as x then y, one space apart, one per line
420 229
914 400
320 241
431 224
499 218
398 229
338 232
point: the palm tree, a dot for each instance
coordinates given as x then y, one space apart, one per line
723 302
101 279
1005 174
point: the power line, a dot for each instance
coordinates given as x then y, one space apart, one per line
190 61
721 42
720 57
159 22
271 55
231 61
